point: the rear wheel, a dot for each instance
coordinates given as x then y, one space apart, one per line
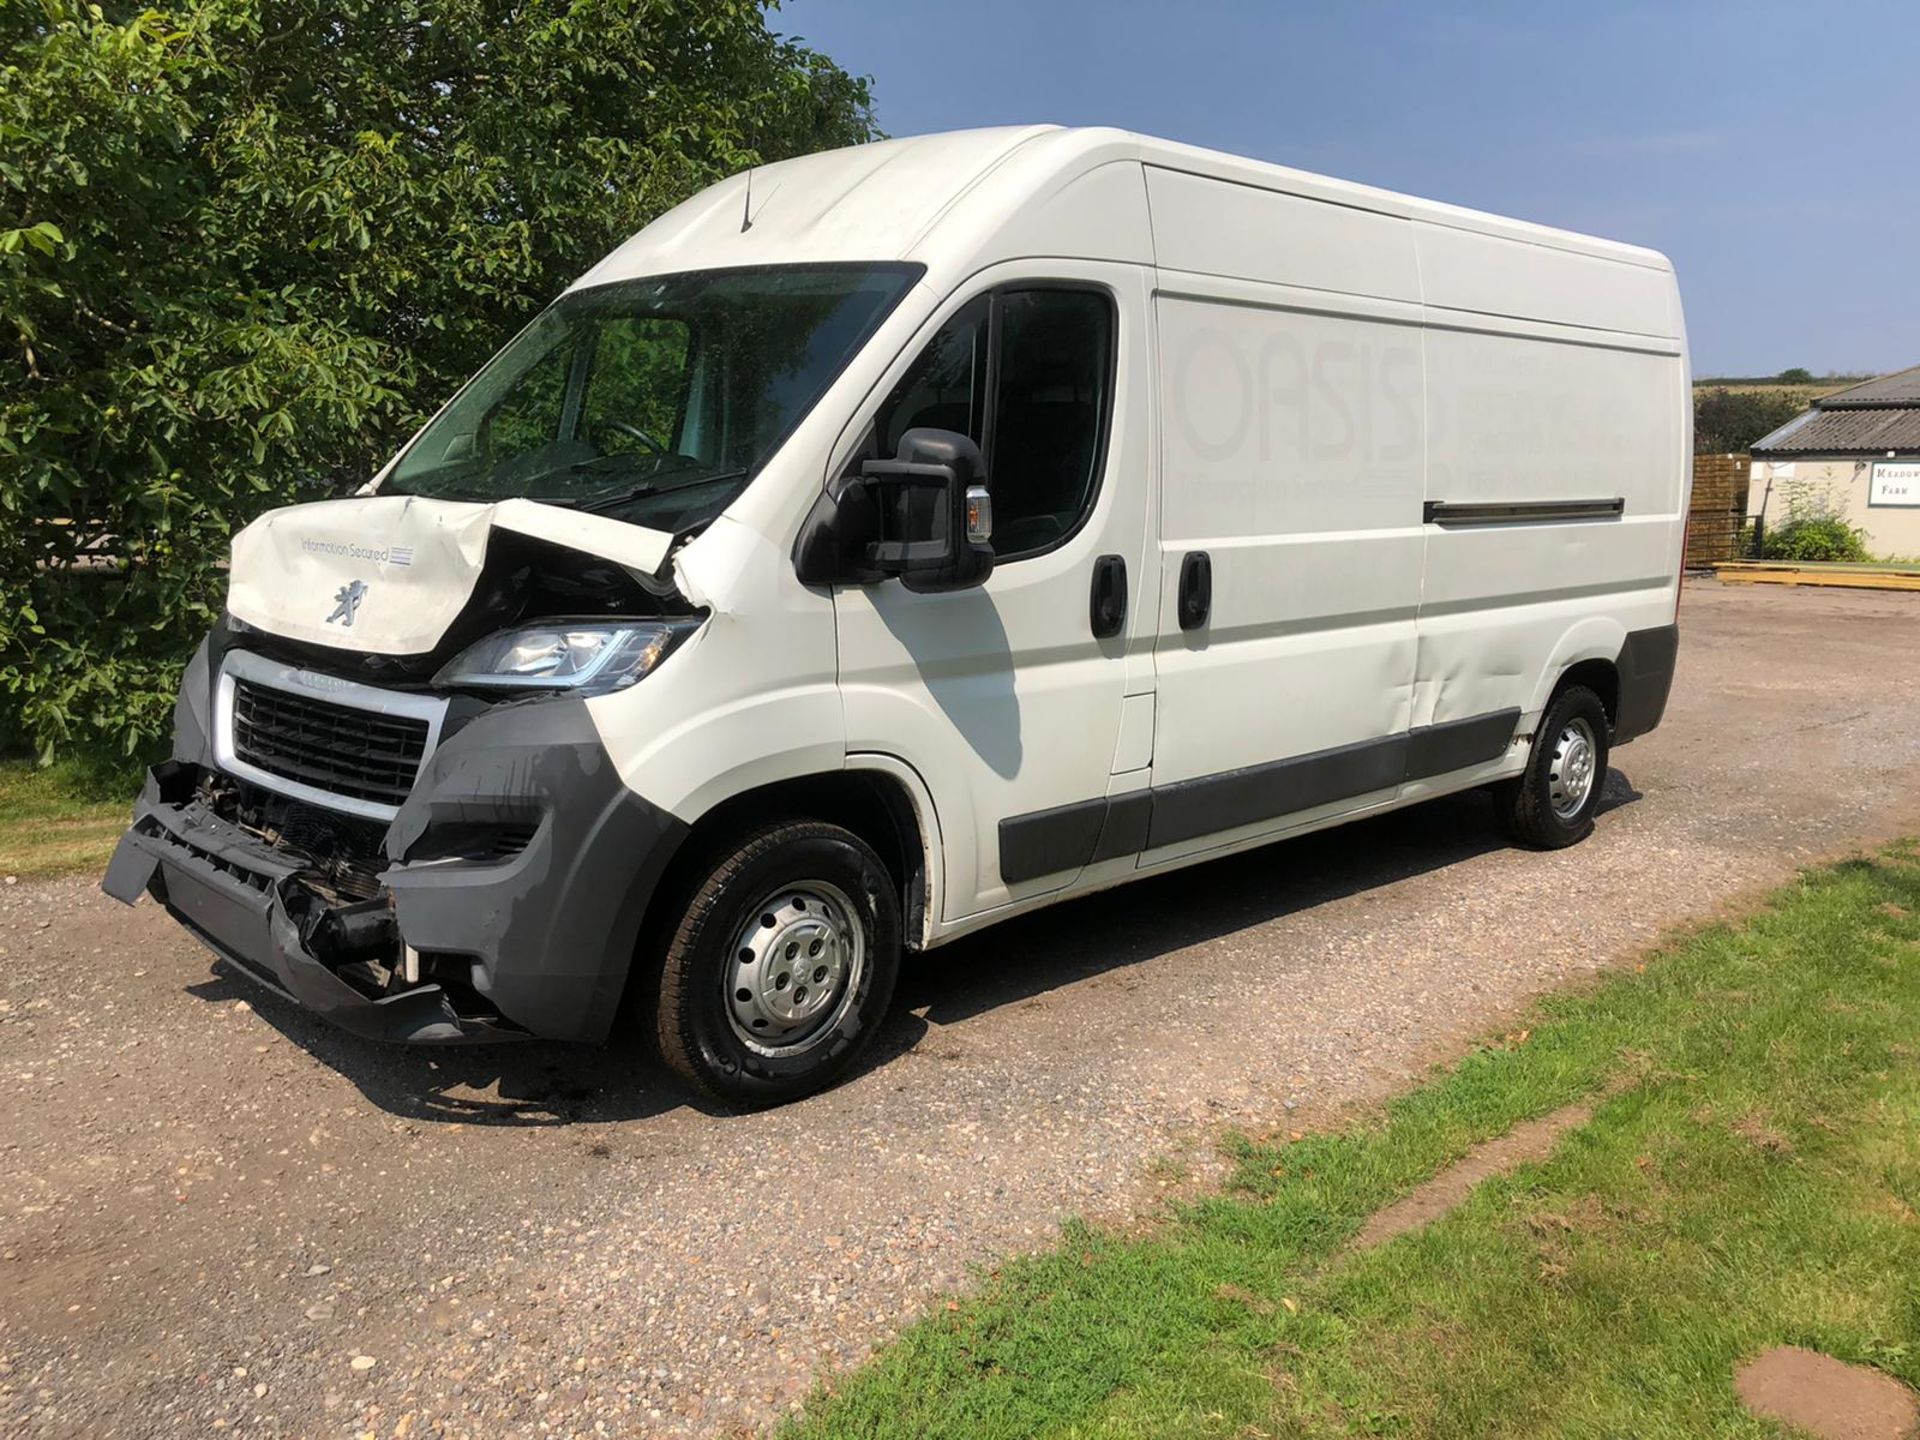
1552 804
782 965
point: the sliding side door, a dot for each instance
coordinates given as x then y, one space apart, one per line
1290 561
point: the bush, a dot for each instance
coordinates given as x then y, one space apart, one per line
1814 529
1830 538
246 246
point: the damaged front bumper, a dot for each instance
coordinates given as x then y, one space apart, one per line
240 897
504 899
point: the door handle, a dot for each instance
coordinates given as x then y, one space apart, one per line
1196 589
1108 610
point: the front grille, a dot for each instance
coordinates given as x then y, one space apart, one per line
360 754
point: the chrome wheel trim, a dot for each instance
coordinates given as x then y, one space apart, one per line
795 968
1571 773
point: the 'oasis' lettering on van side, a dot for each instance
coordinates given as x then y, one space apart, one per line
1341 401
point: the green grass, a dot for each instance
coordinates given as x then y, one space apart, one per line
1750 1177
62 818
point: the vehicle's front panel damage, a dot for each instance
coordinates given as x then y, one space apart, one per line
393 575
411 862
505 898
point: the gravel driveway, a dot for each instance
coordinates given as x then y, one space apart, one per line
215 1213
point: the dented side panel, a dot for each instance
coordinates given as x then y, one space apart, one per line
1533 420
1422 493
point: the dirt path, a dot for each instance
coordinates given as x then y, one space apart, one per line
197 1181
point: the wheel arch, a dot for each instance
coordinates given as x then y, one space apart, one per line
1600 676
1588 654
875 797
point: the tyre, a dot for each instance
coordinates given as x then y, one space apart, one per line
782 965
1551 805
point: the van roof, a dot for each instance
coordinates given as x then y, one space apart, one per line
883 201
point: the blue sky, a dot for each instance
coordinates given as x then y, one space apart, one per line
1772 150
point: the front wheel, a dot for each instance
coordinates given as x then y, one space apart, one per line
782 966
1552 804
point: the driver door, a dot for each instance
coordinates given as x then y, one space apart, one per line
1003 697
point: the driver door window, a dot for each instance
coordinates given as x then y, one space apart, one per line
946 388
1026 373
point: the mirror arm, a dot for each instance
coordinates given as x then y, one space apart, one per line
832 546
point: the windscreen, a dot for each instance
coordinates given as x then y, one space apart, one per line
655 399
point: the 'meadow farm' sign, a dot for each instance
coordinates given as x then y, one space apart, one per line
1894 485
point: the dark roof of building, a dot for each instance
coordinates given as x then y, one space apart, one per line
1845 432
1866 419
1900 388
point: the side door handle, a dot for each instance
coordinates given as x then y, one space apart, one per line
1107 612
1196 589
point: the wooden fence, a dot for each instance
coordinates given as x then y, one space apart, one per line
1719 509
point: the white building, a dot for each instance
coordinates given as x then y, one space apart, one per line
1859 450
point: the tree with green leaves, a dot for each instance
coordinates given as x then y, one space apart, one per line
245 247
1726 421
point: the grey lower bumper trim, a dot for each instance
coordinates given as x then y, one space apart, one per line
229 892
544 936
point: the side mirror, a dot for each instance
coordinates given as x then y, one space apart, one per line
936 520
925 516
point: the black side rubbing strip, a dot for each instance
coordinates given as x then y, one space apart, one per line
1125 832
1520 512
1048 842
1456 744
1190 808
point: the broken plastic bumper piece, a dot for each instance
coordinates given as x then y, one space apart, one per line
246 901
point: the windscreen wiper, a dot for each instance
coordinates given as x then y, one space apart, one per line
641 491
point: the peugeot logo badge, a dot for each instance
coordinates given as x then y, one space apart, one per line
346 600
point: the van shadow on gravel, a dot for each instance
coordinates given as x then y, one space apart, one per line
540 1083
519 1083
1072 941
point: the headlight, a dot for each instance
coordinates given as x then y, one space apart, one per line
587 657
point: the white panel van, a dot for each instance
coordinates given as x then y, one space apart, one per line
890 541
